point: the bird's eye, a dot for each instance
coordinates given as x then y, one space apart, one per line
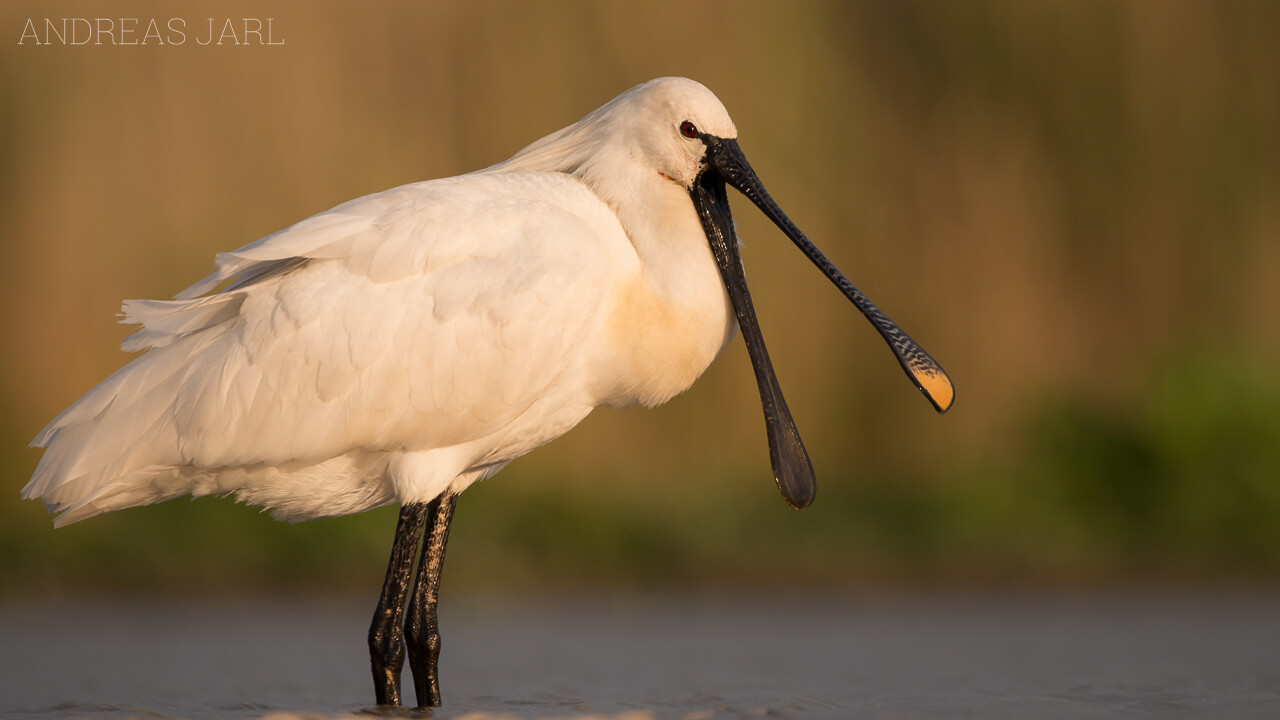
688 129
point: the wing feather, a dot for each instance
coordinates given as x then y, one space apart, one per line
427 316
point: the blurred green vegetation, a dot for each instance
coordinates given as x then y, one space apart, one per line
1074 206
1180 486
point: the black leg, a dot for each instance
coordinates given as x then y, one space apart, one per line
421 628
386 642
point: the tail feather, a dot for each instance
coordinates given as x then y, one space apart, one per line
117 428
118 445
144 486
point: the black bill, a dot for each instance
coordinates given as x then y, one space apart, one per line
725 163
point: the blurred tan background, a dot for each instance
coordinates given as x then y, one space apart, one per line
1075 207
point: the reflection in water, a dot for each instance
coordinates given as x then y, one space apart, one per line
668 657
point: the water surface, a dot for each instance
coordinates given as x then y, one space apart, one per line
986 655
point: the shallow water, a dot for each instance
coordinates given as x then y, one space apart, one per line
1118 655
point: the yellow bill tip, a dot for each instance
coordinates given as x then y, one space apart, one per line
936 386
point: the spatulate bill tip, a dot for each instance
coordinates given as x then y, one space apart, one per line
798 502
793 472
935 385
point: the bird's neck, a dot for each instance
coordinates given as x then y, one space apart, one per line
672 317
658 217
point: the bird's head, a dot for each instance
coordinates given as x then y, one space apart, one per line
674 134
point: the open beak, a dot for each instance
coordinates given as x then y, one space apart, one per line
725 163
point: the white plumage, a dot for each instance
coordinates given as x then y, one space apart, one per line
415 340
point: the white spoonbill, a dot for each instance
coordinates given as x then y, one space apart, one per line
403 345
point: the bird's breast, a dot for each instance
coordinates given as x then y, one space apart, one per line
661 343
